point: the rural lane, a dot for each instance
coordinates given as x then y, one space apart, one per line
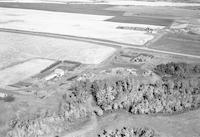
98 41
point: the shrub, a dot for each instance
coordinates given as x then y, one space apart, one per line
130 132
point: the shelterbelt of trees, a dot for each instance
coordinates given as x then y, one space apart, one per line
177 91
177 70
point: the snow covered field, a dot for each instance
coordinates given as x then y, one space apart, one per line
81 25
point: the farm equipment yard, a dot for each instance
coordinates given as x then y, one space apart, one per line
83 68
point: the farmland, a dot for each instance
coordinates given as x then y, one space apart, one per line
22 71
181 45
166 15
82 25
30 48
99 68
